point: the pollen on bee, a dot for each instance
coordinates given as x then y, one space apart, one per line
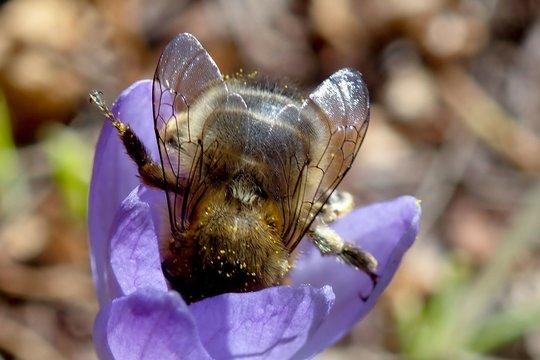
229 174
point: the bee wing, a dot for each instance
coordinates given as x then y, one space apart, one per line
337 112
208 155
185 69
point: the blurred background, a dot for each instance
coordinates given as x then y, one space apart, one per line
455 89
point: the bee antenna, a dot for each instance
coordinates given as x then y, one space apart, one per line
96 97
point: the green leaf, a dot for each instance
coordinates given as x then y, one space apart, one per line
70 158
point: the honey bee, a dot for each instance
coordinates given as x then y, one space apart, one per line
248 168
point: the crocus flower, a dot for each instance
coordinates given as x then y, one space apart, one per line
141 318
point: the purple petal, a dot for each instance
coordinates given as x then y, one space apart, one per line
151 322
134 253
386 230
269 324
147 324
114 174
226 322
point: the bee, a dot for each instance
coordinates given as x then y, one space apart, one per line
249 168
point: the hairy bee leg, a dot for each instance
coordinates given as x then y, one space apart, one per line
329 242
339 204
151 172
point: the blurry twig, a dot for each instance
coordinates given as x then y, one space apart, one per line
23 342
516 242
446 170
460 317
485 118
488 120
463 330
59 283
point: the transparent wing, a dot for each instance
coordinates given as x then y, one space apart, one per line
184 71
337 115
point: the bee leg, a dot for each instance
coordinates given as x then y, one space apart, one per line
151 172
339 204
329 242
